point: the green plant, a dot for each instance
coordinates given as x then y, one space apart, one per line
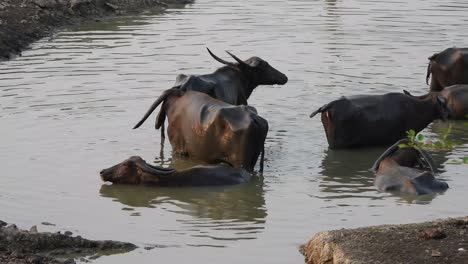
418 141
442 143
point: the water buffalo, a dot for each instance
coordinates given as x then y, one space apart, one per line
448 67
204 128
232 83
135 170
406 169
371 120
457 100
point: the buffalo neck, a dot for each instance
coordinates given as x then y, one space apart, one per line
246 81
427 111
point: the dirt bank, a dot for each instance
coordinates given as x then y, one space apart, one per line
440 241
20 246
24 21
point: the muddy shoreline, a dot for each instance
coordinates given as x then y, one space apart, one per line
438 241
25 21
22 246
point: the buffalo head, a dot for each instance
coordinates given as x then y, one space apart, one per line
407 169
443 110
133 170
448 67
258 71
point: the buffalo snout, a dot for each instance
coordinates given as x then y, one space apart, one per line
277 77
124 172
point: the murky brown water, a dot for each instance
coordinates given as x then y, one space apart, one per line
68 105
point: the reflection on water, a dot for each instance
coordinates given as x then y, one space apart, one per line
237 210
69 103
346 173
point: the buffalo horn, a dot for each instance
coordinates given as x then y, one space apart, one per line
219 59
241 62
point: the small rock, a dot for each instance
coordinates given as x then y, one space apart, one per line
461 249
12 226
432 233
45 3
435 253
68 233
2 224
112 6
33 229
47 224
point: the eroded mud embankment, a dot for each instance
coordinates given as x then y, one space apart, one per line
439 241
21 246
24 21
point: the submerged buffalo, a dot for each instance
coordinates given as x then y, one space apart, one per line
406 169
448 67
204 128
135 170
372 120
457 100
232 84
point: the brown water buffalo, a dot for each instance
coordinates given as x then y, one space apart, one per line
457 100
233 83
372 120
448 67
406 169
211 130
135 170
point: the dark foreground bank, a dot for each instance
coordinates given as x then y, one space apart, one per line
439 241
22 22
20 246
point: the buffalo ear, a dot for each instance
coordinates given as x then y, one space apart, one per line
441 100
433 57
445 110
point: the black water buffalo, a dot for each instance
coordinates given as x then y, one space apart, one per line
135 170
204 128
233 83
406 169
448 67
370 120
457 100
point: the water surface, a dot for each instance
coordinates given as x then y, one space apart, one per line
68 106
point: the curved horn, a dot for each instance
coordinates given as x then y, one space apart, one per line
156 103
428 74
237 59
219 59
386 153
427 158
154 170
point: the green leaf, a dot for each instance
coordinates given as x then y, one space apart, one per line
420 137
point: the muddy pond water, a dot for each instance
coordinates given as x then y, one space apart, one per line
68 106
